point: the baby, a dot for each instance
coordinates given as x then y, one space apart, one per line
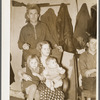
33 70
53 73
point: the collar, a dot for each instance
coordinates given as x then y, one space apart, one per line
35 25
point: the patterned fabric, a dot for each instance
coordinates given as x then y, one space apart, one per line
47 94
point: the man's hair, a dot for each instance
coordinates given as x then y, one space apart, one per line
29 7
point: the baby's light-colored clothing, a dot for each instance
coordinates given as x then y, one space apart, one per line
56 81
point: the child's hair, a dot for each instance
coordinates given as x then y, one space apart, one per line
30 57
49 59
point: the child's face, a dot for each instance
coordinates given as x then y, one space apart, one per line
52 63
33 63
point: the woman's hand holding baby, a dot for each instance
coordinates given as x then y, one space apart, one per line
39 76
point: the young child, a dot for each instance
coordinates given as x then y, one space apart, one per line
52 73
33 70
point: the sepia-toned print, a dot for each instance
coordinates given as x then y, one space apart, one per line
53 50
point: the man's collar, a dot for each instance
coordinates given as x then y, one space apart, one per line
35 25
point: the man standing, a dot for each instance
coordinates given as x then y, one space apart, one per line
33 32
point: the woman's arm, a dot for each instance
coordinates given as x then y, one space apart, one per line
39 76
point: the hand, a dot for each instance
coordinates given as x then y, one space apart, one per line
26 46
93 71
89 72
42 78
35 74
93 74
27 77
59 48
62 71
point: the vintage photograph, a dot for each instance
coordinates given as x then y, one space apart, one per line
53 50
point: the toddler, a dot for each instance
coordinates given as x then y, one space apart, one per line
33 71
52 73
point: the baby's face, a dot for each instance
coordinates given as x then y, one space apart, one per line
52 64
33 63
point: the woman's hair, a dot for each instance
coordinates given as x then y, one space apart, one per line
40 44
29 7
30 57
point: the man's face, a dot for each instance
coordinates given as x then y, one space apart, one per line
33 15
92 45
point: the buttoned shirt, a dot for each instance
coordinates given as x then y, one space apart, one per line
33 35
87 61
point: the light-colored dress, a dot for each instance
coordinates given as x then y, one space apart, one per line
55 74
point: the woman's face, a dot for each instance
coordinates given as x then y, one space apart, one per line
45 50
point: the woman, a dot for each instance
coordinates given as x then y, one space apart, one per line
45 93
45 51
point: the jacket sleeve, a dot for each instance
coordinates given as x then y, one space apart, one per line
82 65
21 39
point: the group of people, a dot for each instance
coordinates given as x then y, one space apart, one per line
36 42
43 68
42 73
